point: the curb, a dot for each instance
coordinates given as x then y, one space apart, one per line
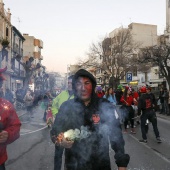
163 116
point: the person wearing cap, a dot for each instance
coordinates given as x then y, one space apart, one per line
119 94
99 92
9 125
146 106
91 122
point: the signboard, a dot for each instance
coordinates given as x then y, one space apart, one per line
128 77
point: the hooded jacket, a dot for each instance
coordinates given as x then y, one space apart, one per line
10 123
146 103
98 117
62 97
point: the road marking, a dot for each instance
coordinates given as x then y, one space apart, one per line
155 151
33 131
25 130
38 123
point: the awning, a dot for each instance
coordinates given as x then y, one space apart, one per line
133 83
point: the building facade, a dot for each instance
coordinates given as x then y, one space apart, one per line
144 35
5 44
32 56
18 76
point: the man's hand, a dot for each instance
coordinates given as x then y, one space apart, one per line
121 168
66 143
3 136
62 141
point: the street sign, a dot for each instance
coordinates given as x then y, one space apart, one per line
128 77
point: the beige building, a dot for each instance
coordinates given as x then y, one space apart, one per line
32 51
32 48
5 43
168 16
144 35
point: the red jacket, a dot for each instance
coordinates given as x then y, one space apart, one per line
11 124
128 101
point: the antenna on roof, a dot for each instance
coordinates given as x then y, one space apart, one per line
19 21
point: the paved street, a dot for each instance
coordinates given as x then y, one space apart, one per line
34 149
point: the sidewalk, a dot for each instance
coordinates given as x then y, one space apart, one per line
163 116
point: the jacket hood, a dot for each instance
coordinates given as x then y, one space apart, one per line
83 73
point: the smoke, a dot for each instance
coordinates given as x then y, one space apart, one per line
77 134
122 113
90 127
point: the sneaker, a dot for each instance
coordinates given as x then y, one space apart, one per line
159 140
133 132
143 140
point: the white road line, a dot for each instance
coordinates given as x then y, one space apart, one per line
33 131
157 153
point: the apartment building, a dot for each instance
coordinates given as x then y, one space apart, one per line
32 53
144 35
5 43
18 76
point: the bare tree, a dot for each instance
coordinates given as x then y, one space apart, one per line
93 56
118 54
29 69
123 55
158 55
52 81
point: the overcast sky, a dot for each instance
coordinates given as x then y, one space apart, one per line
68 27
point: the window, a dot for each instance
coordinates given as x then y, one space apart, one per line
7 31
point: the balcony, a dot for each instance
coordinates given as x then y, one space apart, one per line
18 72
38 43
16 48
41 57
37 55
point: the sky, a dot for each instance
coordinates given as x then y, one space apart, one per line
68 27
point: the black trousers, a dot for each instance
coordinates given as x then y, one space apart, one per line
151 116
2 167
58 157
130 115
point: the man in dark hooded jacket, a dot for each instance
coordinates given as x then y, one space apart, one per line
83 126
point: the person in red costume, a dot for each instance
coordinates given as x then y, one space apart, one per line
127 101
9 125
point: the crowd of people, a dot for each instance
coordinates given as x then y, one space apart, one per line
85 108
138 107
